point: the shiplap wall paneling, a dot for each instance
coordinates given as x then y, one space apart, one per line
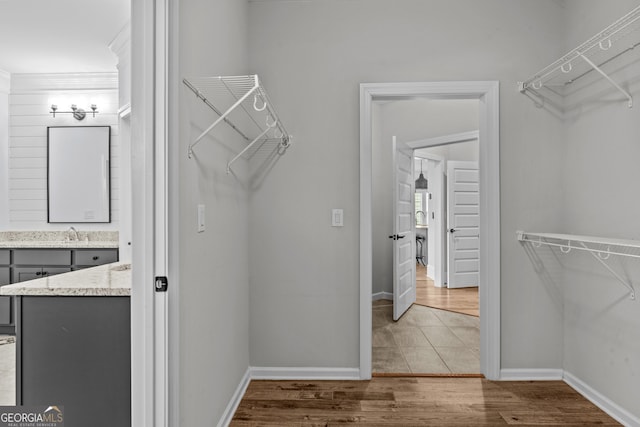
29 118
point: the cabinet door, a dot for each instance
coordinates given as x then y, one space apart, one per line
5 277
5 302
39 257
5 310
52 271
22 274
92 257
5 256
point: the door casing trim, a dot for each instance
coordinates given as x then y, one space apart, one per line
487 92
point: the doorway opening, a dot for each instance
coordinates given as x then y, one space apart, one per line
434 227
447 219
488 179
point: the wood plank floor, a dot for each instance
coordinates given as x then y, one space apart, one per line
415 402
463 300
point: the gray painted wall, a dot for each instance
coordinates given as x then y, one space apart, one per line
302 279
214 271
602 327
313 55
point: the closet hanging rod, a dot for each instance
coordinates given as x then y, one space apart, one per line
617 244
242 103
568 242
223 116
213 107
603 40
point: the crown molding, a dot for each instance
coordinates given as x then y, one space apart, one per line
24 83
121 43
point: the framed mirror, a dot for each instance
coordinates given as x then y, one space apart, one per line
78 174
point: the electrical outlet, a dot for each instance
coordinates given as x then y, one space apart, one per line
201 216
337 218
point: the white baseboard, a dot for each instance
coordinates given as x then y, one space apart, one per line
381 295
531 374
615 411
431 271
230 410
270 373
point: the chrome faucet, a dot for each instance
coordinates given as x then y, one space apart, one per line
75 232
423 214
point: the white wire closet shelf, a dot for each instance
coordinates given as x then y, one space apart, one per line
242 103
601 248
617 39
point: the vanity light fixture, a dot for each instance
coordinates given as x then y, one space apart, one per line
421 182
78 113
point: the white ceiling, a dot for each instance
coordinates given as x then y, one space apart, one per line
60 36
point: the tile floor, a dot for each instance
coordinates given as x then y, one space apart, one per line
7 371
424 341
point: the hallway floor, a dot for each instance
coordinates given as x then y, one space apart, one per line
424 340
7 370
461 300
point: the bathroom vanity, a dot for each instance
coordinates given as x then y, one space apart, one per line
29 255
73 344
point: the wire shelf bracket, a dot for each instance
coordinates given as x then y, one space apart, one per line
607 45
248 111
599 247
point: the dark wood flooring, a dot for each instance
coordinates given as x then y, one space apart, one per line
415 402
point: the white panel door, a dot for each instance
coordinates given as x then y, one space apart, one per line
404 246
463 219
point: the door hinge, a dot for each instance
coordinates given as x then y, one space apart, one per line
161 284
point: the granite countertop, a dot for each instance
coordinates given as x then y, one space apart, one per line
58 239
104 280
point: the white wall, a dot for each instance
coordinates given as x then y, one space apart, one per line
462 151
601 175
121 47
29 105
314 54
408 120
5 86
213 323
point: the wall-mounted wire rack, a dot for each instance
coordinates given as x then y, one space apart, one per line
617 39
242 103
601 248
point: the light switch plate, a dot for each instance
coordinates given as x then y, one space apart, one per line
201 216
337 218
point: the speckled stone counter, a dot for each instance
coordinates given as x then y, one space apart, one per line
104 280
58 239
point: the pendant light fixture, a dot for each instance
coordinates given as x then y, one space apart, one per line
421 182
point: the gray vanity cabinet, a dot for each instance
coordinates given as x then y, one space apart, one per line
37 263
76 351
20 265
5 302
5 279
94 257
22 274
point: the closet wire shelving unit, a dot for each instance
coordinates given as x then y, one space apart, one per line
614 41
600 248
242 103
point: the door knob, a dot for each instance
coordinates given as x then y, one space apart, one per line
396 237
453 230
